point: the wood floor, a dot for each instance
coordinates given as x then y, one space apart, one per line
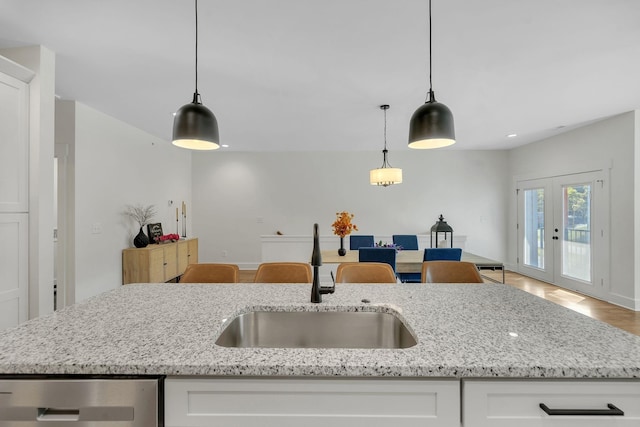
619 317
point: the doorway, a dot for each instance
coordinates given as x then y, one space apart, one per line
563 231
62 289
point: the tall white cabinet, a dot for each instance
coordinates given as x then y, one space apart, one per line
14 203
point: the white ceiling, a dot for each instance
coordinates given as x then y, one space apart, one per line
311 74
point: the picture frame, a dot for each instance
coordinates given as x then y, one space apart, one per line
154 231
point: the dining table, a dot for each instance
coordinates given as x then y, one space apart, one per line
410 261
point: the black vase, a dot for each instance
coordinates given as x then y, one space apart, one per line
141 240
342 251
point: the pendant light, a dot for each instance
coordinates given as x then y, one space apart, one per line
431 125
385 175
194 125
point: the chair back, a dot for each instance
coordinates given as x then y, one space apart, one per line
450 272
408 242
386 255
360 241
442 254
365 272
283 272
210 273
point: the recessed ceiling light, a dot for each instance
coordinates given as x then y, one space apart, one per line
225 145
512 135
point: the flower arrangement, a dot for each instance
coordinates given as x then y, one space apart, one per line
398 248
141 214
168 238
343 225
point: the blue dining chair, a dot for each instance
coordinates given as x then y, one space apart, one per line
387 255
408 242
442 254
360 241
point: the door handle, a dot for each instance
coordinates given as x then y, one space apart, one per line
613 410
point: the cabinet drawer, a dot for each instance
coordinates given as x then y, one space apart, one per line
499 403
311 402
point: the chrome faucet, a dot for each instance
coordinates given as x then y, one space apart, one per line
316 261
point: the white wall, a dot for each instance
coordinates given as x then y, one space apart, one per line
116 165
604 144
237 197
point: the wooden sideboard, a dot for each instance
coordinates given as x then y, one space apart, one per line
158 263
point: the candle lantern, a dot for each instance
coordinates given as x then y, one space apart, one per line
443 228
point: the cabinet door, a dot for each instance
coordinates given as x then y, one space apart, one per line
311 402
193 251
170 261
14 144
183 256
156 265
14 282
504 403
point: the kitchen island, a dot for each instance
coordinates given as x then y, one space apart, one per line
473 332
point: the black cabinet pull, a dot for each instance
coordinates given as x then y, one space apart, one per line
613 410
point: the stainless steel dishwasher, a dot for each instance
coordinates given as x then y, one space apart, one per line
81 402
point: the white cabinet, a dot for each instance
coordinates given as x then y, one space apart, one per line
311 402
14 203
508 403
14 263
14 141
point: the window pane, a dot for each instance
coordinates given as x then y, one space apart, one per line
534 228
576 242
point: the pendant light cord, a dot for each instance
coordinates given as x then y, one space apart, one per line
385 127
430 95
430 81
196 95
385 163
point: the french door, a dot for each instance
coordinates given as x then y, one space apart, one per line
563 231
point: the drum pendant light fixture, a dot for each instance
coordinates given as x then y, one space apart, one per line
431 125
194 125
385 175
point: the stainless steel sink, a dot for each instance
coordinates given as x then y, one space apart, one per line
316 329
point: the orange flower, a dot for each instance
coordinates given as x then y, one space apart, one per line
342 225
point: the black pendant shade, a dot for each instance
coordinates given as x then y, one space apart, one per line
431 125
195 127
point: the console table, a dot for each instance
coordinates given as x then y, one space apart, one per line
158 263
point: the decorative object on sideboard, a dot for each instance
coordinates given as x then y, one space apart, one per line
431 125
343 226
441 226
386 174
154 231
194 125
184 220
167 238
143 216
141 240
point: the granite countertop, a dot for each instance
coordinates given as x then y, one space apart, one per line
462 331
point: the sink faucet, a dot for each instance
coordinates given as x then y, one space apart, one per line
316 261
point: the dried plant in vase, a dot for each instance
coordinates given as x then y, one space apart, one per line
143 216
343 226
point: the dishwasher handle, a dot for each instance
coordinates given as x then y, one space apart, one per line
55 414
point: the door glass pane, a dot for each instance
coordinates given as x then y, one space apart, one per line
534 228
576 224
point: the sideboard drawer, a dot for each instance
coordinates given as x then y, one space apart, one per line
498 403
